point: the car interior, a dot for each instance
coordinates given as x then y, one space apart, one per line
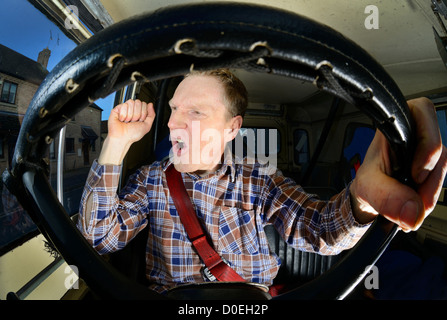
321 140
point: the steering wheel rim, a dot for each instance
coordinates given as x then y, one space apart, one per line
169 42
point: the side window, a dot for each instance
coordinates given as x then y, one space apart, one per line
442 120
357 139
300 146
27 56
52 151
82 147
30 48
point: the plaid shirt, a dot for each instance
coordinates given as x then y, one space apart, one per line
234 205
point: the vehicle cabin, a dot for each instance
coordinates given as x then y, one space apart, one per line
312 136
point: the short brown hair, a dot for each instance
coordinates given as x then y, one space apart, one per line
236 95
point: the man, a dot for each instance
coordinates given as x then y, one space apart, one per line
236 200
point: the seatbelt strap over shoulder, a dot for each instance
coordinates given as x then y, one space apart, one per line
194 229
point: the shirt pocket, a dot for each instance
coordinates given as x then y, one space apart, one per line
237 231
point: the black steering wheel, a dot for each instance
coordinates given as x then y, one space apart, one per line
167 43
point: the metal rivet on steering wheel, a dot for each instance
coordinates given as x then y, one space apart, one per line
171 42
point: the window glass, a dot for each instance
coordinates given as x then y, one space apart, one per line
357 139
301 146
21 72
442 120
29 49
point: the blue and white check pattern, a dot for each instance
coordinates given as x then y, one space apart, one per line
234 205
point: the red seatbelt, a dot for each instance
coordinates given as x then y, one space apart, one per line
195 231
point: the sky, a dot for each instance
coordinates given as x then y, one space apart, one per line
26 30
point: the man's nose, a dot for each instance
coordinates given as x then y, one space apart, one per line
176 121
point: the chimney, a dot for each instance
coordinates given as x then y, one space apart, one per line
43 57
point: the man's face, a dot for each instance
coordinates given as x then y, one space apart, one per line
200 125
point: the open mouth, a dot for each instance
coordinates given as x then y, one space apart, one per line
179 146
180 143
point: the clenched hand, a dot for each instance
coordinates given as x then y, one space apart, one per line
128 123
374 191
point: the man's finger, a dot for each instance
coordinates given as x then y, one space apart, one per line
143 114
429 147
123 111
130 110
376 191
432 186
150 113
397 202
136 111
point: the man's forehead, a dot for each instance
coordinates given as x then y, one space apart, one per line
198 91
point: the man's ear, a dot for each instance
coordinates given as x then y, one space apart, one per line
235 125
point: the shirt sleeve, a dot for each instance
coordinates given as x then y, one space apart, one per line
308 223
114 219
